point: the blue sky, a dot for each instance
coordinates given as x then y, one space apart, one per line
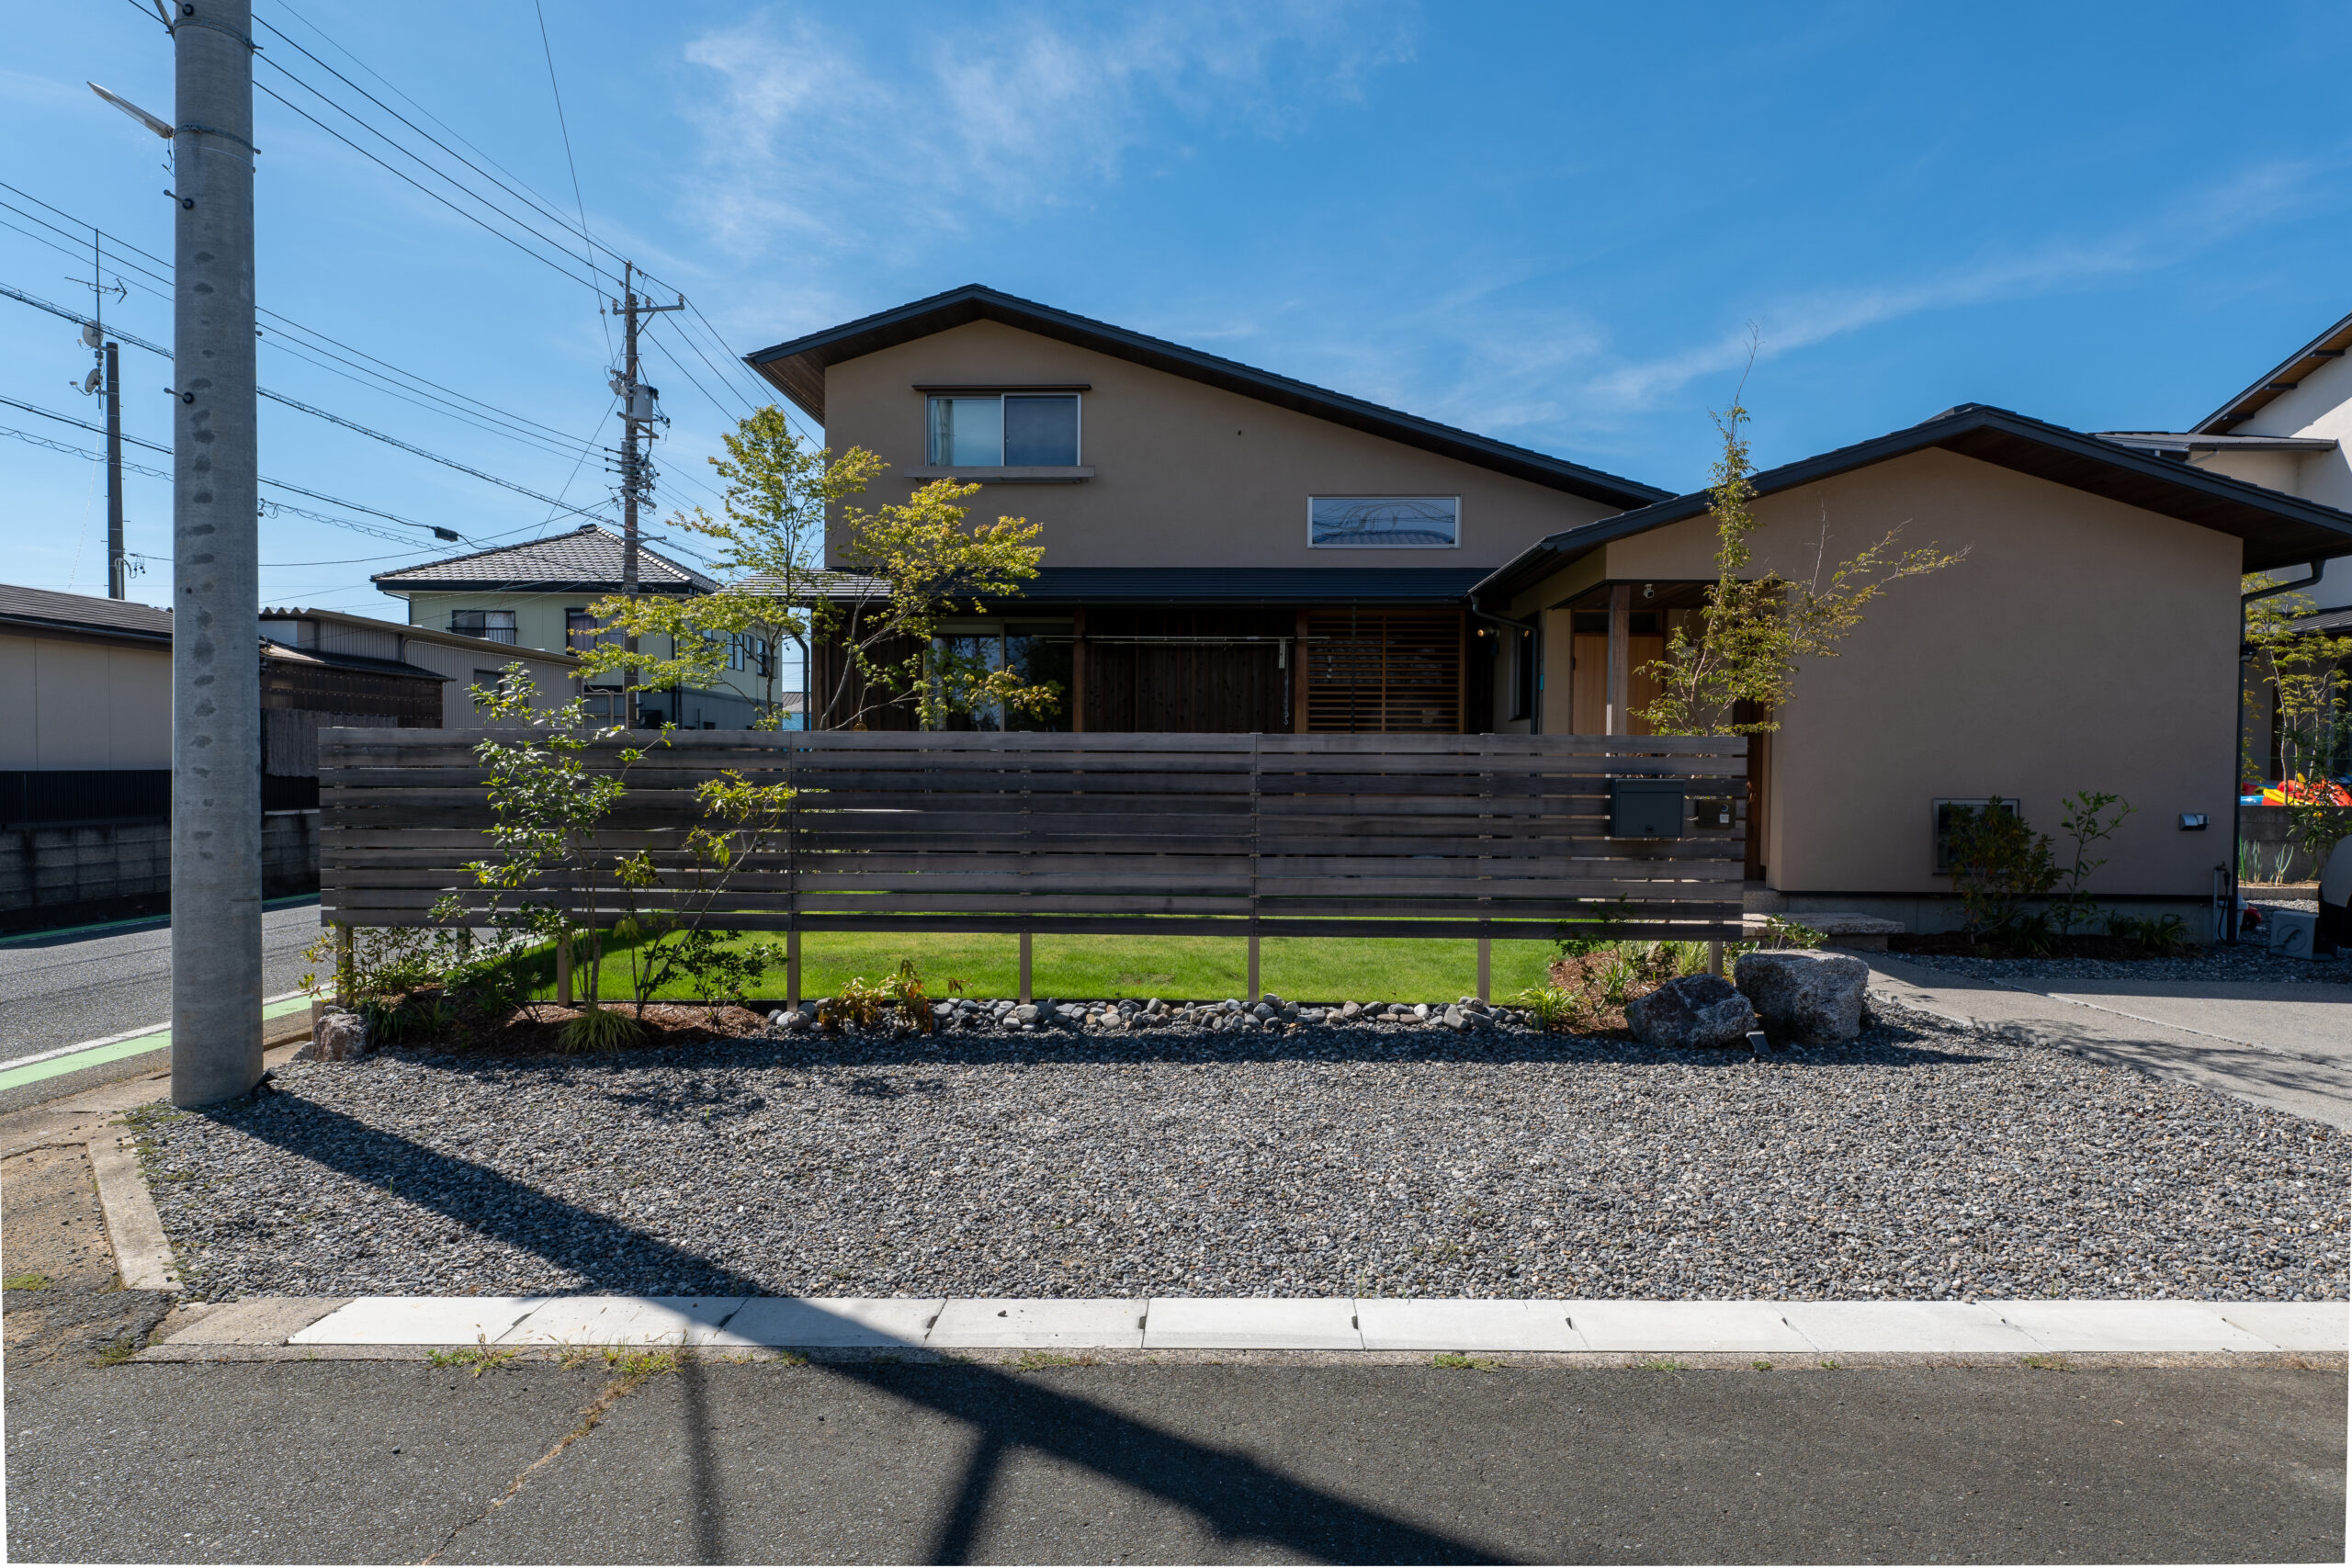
1556 225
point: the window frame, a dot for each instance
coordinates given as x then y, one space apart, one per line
932 395
1313 544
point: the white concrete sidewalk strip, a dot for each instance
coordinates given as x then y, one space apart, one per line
2127 1326
625 1320
1098 1323
1740 1327
2323 1326
1392 1323
1617 1327
832 1322
1251 1322
1866 1327
417 1320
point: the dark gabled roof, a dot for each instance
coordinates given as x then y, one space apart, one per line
798 370
2312 356
587 560
40 609
2278 529
1247 585
1061 587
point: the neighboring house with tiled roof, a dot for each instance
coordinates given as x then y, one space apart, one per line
539 595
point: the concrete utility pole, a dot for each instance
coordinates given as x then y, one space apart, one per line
641 411
216 589
117 564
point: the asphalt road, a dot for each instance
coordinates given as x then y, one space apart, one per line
64 989
335 1461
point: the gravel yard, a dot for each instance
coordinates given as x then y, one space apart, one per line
1368 1160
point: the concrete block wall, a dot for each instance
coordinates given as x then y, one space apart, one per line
64 874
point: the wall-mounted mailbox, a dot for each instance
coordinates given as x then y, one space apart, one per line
1645 808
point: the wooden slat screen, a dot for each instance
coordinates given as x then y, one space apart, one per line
1374 671
1504 835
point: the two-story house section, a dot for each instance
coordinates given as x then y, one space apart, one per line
2285 431
540 595
1226 549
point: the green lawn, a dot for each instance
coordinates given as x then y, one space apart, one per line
1364 969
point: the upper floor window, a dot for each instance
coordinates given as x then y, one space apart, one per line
1384 521
581 631
1012 430
496 625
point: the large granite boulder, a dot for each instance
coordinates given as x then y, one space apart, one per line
1811 997
1696 1009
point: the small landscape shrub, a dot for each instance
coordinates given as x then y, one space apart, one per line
597 1029
865 1004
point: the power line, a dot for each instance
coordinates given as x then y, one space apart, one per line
525 425
323 413
436 196
578 200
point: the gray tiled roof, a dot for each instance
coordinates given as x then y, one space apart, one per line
82 612
585 560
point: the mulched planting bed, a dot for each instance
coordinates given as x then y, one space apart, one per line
1388 1159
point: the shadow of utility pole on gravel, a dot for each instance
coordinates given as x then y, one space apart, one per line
1235 1496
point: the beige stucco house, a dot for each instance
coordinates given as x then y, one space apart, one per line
2087 641
1226 549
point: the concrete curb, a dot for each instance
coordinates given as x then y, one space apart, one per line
1603 1333
142 1255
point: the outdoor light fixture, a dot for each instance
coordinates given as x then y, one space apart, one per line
159 127
2192 822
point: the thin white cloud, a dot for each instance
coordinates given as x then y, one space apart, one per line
2193 222
809 137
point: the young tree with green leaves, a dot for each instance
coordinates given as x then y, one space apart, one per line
2307 674
1753 630
903 570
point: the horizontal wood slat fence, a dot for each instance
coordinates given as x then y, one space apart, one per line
1293 835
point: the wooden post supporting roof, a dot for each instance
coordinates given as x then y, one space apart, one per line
1621 674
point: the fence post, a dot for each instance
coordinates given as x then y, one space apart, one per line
1025 968
1256 815
342 977
1485 966
563 969
792 970
1715 957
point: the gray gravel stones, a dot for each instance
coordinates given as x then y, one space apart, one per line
1397 1159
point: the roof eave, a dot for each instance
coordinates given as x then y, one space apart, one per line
2307 360
2328 533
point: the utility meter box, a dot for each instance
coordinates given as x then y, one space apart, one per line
1645 808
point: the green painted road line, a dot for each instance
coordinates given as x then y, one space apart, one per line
138 1046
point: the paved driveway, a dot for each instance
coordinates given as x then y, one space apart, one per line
2287 1044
